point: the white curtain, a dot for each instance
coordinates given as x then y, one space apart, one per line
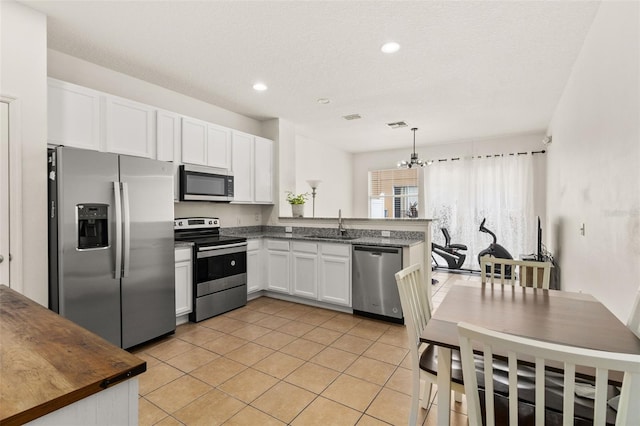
461 193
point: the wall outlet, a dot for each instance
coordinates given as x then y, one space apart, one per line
288 229
257 217
238 220
386 234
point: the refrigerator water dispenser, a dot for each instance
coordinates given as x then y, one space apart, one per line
92 226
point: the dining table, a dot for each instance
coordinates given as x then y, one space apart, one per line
568 318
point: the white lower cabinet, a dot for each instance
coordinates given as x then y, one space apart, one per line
184 281
278 265
335 274
254 265
318 271
304 269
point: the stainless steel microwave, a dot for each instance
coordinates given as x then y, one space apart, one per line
205 184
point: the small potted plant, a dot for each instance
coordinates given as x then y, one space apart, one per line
297 203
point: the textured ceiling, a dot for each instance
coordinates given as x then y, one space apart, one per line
466 69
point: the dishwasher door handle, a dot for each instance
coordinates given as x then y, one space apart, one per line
377 250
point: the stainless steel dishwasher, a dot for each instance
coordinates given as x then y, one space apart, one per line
374 288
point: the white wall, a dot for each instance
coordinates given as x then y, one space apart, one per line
378 160
314 160
594 163
23 75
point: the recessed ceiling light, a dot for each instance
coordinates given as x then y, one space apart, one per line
323 101
260 87
390 47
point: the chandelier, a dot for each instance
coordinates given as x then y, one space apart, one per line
414 156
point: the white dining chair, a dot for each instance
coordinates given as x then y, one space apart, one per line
503 271
634 319
516 348
417 313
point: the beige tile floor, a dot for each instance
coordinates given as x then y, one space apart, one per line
274 362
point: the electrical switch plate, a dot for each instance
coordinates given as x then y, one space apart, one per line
386 234
288 229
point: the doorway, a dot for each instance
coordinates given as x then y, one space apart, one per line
5 277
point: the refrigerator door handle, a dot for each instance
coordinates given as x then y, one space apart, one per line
127 229
118 213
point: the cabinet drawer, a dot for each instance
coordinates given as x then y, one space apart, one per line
183 254
304 247
253 244
336 249
278 245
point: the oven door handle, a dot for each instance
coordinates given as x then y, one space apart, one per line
221 247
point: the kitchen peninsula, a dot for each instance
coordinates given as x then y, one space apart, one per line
56 372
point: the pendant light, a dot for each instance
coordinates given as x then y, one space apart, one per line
414 156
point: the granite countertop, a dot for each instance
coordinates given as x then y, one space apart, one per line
363 240
49 362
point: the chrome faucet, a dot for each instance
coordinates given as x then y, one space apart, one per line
341 229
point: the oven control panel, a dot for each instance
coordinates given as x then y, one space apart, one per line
185 223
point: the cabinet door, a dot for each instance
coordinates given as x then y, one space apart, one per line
242 161
73 115
304 273
254 273
167 136
278 270
263 170
184 281
194 141
129 127
335 275
218 147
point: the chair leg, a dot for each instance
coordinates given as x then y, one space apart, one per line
426 388
457 396
415 399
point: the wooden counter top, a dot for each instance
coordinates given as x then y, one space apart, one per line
48 362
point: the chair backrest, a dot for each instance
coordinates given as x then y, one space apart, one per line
507 271
516 348
447 237
414 301
634 318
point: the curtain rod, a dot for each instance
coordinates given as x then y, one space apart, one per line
493 155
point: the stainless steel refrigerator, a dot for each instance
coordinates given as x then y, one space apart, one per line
111 249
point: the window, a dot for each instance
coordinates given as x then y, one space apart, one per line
393 193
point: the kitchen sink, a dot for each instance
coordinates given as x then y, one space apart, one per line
332 237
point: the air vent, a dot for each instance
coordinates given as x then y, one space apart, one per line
352 117
397 124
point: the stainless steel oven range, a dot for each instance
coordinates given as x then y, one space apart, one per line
219 268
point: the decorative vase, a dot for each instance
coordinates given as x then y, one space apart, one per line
297 210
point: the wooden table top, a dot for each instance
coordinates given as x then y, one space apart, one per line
48 362
574 319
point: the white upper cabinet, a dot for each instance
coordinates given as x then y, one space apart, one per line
263 173
218 146
205 144
252 164
73 115
242 165
129 127
168 136
194 141
84 118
